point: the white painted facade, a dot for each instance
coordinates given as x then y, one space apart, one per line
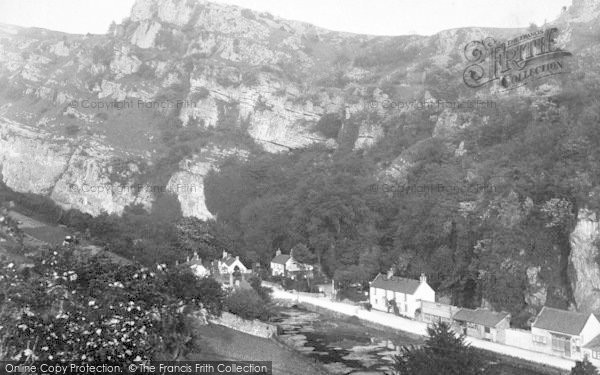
407 303
565 345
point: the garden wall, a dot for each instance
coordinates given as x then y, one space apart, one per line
251 327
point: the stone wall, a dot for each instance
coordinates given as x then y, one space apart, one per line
251 327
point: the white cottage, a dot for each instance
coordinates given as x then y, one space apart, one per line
406 294
229 264
197 266
284 265
564 333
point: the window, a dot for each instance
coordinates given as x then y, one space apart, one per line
487 329
539 339
596 353
559 343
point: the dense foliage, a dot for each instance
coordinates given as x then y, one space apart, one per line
247 304
473 221
73 308
584 368
443 353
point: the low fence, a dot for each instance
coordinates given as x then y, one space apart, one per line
251 327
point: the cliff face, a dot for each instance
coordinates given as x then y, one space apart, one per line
584 271
84 118
73 175
85 100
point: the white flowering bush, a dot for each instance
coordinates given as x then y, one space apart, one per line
66 308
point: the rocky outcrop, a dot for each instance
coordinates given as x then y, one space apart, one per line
584 271
537 292
268 78
73 174
188 183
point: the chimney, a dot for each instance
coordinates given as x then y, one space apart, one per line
196 255
390 272
278 252
423 278
237 257
225 254
187 259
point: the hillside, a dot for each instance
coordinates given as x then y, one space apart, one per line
286 133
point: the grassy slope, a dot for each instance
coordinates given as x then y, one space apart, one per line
220 343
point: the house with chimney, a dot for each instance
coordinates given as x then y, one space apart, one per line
229 264
197 266
565 333
483 324
397 294
287 265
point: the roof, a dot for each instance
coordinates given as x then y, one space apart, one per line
594 344
482 317
396 284
281 258
229 261
560 321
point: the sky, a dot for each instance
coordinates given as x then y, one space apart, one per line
379 17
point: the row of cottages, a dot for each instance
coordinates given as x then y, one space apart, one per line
406 295
286 265
557 332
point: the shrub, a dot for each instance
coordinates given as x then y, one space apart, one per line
329 125
72 129
201 93
256 283
247 13
102 54
247 304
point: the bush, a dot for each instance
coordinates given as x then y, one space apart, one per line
247 13
329 125
247 304
72 129
102 54
263 292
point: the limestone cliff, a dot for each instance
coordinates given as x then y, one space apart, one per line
583 269
87 120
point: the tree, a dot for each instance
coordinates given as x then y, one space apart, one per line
302 254
444 352
584 368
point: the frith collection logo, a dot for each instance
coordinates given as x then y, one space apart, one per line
514 62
